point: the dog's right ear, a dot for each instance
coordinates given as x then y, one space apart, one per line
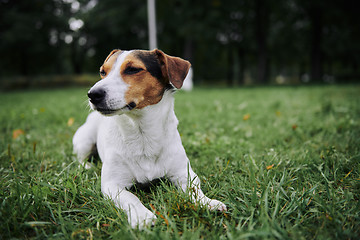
110 54
174 69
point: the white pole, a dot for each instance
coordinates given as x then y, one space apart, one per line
152 24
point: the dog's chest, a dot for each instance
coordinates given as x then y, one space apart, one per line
143 146
144 158
139 152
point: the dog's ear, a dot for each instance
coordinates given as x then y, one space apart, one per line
174 69
110 54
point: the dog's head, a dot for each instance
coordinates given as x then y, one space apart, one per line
135 79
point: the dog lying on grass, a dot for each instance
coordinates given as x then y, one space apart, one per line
134 130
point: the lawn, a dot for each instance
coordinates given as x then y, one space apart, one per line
285 160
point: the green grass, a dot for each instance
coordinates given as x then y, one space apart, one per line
285 160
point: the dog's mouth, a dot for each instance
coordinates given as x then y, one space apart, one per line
110 112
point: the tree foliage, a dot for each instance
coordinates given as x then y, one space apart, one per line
240 40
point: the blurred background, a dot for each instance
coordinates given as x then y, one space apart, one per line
228 42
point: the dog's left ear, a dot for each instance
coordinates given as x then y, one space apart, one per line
174 69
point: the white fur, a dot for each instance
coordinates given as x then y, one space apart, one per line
188 82
114 86
138 146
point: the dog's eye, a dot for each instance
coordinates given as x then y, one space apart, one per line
102 73
132 70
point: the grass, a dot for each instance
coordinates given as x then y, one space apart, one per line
285 160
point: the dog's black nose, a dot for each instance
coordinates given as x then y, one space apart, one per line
97 95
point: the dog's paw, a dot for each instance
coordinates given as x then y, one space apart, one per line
215 205
141 219
86 165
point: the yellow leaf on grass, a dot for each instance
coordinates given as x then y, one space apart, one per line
70 122
159 214
278 113
246 117
269 167
17 133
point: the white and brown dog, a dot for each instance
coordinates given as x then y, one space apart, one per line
134 130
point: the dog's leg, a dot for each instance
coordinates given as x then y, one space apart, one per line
84 139
190 183
138 214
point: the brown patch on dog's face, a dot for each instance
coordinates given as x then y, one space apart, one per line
109 62
141 70
136 79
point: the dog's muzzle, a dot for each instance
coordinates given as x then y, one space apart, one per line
97 98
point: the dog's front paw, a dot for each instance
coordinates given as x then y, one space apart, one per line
85 164
88 165
216 205
141 219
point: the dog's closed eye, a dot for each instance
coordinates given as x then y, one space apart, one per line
132 70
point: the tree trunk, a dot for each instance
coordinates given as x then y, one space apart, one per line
76 57
262 24
189 50
242 66
230 66
24 68
316 72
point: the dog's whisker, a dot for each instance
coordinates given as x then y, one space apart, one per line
87 105
85 102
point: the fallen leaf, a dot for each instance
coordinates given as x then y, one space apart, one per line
246 117
159 214
346 175
17 133
34 147
294 126
329 217
278 113
269 167
70 122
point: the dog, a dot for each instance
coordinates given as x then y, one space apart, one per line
134 130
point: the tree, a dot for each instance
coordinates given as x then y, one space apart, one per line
25 28
262 12
223 39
